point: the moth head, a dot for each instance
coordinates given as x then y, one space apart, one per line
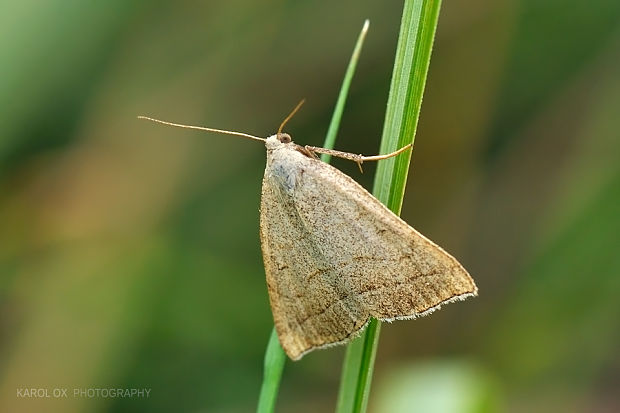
277 141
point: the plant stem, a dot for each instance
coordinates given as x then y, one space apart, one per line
334 124
415 43
274 365
274 355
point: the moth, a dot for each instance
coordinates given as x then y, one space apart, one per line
335 256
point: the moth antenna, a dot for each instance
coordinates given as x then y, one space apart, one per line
202 128
290 115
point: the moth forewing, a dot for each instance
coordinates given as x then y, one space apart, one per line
335 256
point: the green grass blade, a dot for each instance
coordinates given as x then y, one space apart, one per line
406 91
274 355
274 365
413 54
334 124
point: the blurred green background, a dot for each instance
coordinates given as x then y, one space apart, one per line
129 252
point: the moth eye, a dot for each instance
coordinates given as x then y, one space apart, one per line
284 137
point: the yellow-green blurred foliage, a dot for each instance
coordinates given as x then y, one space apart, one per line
129 252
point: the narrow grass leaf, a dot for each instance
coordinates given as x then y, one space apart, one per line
415 44
274 355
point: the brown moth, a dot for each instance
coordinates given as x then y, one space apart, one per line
335 256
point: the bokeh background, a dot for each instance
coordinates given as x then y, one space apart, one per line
129 252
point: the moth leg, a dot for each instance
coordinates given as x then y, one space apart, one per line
307 150
358 159
389 155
